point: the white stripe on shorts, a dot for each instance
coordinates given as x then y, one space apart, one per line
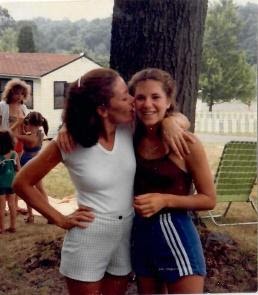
175 245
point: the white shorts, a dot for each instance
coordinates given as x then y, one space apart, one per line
104 246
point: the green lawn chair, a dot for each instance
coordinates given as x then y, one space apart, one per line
235 177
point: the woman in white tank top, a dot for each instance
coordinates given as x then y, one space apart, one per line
95 255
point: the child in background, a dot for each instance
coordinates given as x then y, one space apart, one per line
12 111
32 142
9 164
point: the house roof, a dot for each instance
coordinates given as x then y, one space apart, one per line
33 64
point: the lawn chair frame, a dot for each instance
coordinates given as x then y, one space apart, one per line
235 177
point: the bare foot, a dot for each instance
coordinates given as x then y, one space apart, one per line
11 230
22 211
29 219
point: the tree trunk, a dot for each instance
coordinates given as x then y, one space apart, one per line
211 103
166 34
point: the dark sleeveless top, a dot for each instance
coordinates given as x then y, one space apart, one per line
161 175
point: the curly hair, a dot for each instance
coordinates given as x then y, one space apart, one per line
6 141
85 95
12 86
36 119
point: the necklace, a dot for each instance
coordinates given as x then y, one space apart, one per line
151 152
153 149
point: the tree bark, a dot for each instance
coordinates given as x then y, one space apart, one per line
166 34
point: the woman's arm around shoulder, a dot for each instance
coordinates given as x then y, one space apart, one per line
65 140
175 133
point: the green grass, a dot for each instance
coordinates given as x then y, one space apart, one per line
59 185
17 248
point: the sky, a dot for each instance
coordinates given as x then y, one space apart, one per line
71 9
59 9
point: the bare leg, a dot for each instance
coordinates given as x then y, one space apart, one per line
187 285
12 210
114 285
18 209
30 218
83 288
2 208
150 285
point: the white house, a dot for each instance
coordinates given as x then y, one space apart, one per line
48 75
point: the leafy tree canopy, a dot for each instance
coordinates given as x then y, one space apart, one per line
248 38
8 40
6 21
25 40
226 75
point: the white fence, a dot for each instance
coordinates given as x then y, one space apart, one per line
226 122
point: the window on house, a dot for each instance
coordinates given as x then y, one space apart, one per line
59 94
29 102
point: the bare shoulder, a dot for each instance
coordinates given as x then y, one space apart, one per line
197 150
50 147
49 154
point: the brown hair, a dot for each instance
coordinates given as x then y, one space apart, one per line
36 119
6 141
85 95
12 86
168 84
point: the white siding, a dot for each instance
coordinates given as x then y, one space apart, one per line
44 93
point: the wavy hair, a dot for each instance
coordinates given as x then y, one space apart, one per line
12 86
168 85
85 95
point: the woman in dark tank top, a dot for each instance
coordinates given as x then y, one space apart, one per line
166 248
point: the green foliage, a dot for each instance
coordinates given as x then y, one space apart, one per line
247 92
248 37
6 21
75 37
225 73
8 40
25 40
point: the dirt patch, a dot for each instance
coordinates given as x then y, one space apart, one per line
229 269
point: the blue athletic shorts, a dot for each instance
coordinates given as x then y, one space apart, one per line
166 246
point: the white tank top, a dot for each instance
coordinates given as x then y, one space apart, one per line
104 179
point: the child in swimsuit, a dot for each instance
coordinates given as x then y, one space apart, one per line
32 142
9 164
